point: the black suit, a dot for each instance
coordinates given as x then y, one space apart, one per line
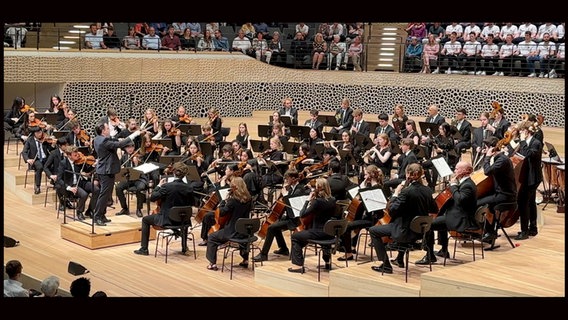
68 175
529 178
287 221
465 141
459 214
501 128
479 134
414 200
439 119
319 210
389 130
338 183
139 185
108 165
172 194
51 167
345 121
318 125
30 151
293 114
403 161
236 210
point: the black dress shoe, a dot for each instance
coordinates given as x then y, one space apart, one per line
522 236
244 264
142 252
69 205
100 223
533 232
260 257
425 260
442 253
80 216
124 211
37 190
397 263
89 213
345 259
296 270
139 213
326 266
105 219
283 252
382 269
488 238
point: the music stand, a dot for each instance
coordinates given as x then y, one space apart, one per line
428 128
60 133
363 141
264 131
259 145
184 127
373 199
300 132
223 143
127 174
48 117
348 158
372 126
328 120
193 174
552 159
291 147
395 149
167 160
456 135
319 150
206 148
193 129
164 142
332 136
84 150
442 166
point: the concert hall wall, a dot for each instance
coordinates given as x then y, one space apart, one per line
237 85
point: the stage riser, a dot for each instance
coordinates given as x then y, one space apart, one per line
275 274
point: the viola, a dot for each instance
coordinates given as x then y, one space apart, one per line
297 161
83 136
154 147
83 159
185 118
173 132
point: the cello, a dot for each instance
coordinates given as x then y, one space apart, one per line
221 221
277 211
209 206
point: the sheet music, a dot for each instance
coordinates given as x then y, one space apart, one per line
373 199
223 192
172 178
353 192
442 166
297 203
147 167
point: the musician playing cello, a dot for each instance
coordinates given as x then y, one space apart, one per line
497 166
287 221
459 212
361 218
321 205
172 194
237 205
410 198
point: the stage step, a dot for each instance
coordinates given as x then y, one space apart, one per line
274 274
122 230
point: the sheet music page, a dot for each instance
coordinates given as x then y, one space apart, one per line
297 203
353 192
373 199
224 192
172 178
442 166
146 167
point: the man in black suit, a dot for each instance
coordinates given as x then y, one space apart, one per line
479 135
51 169
313 121
286 221
36 160
464 128
171 194
404 159
410 199
108 165
130 159
338 182
360 128
113 122
71 181
530 178
385 127
498 167
434 116
344 117
457 215
288 110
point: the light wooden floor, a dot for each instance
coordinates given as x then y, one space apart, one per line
120 273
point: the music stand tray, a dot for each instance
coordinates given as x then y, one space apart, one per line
373 126
84 150
264 131
193 129
224 143
291 147
60 133
363 141
287 120
186 127
347 157
48 117
193 174
259 145
300 132
164 142
167 160
319 150
332 136
206 148
127 174
434 128
329 120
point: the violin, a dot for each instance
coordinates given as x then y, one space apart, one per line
185 118
83 136
496 108
48 139
267 152
27 108
196 155
154 147
297 161
90 160
37 123
173 132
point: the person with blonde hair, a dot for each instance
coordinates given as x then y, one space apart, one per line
236 206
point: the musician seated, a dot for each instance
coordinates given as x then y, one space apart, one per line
131 159
360 218
406 157
170 194
271 175
131 127
458 215
286 220
236 206
78 137
35 154
207 136
338 182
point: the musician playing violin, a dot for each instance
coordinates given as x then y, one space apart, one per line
215 123
459 212
150 121
373 178
320 207
272 175
237 205
78 137
248 170
131 127
498 167
194 157
30 121
130 159
207 136
169 131
35 154
411 198
71 179
114 123
182 116
292 188
171 194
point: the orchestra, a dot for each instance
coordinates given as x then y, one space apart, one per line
396 144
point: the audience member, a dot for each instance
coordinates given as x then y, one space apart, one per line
80 288
12 286
49 286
